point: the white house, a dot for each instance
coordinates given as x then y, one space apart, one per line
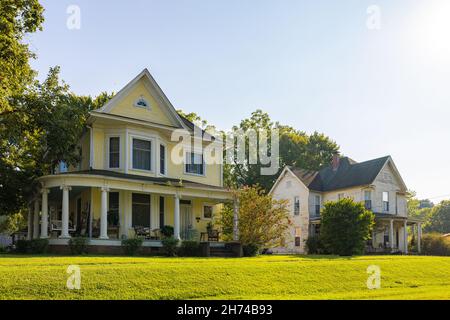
376 183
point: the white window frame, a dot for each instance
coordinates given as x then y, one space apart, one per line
297 199
382 201
152 153
165 159
206 204
108 137
317 196
141 97
204 164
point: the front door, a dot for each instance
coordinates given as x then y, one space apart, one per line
186 221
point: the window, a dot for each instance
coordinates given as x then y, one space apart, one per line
142 151
317 205
298 232
142 103
161 211
194 163
386 201
140 210
296 206
207 211
113 212
162 159
114 152
368 200
340 196
63 167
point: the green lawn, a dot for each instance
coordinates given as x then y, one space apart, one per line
265 277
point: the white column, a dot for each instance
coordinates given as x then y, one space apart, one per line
405 234
30 223
236 219
419 237
44 216
104 214
176 225
36 220
65 212
391 234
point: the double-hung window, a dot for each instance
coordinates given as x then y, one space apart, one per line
296 206
386 201
317 205
162 159
194 163
368 200
114 152
142 154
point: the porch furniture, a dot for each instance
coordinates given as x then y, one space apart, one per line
113 232
213 235
142 232
155 234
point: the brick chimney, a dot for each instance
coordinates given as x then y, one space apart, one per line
335 161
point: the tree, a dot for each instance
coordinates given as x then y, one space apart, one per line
345 227
17 18
43 130
263 221
439 218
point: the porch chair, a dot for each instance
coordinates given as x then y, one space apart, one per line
213 235
142 232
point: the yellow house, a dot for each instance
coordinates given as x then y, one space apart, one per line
134 176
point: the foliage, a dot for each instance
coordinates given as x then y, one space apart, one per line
346 226
250 250
78 245
35 246
263 221
189 249
13 223
435 244
167 231
314 245
17 18
438 219
169 246
131 246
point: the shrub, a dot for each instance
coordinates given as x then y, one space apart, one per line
346 226
131 246
78 245
250 250
314 245
167 231
3 249
435 244
189 249
169 246
38 246
22 246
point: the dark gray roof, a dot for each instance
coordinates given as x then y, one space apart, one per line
349 174
155 180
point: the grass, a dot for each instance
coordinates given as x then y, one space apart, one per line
264 277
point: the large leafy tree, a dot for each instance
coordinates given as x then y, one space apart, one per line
439 218
43 130
17 18
345 227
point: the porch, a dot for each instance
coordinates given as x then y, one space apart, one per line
107 209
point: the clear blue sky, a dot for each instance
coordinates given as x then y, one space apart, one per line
313 65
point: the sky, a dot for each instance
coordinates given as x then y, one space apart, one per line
372 75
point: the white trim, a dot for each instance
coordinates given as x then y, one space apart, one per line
142 98
164 144
282 175
127 155
91 147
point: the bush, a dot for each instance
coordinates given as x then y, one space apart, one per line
314 245
3 249
167 231
131 246
250 250
169 246
346 226
435 244
38 246
78 245
22 246
190 249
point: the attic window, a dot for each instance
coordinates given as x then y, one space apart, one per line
142 103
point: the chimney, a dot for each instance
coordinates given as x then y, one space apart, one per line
335 161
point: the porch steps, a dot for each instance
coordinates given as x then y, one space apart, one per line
220 250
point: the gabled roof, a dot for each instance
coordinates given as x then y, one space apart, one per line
349 174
